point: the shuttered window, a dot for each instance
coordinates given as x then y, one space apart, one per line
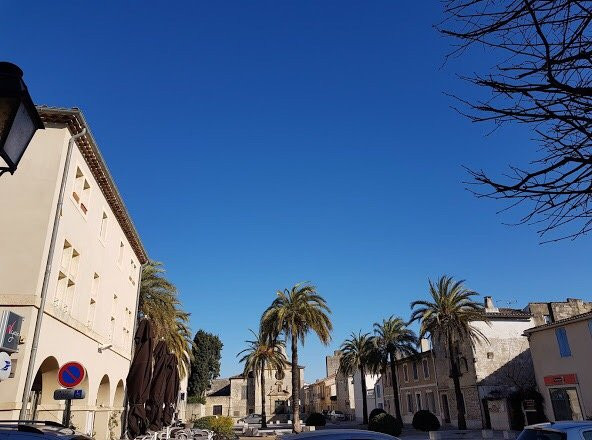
564 350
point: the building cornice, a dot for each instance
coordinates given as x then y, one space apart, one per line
74 120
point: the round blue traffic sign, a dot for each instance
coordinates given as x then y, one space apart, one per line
71 374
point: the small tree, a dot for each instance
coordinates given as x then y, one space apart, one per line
447 319
264 352
358 352
205 367
393 339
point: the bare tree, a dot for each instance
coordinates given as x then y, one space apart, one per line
542 76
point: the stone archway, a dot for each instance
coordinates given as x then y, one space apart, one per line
45 383
81 417
116 421
103 406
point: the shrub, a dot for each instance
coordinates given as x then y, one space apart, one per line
424 420
204 422
386 424
196 399
375 412
315 419
221 426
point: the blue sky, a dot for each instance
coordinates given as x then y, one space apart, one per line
262 143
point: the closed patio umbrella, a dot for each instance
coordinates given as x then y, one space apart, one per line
139 378
171 390
155 402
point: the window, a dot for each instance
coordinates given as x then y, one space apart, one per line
103 231
566 404
132 274
217 410
426 369
587 434
90 316
431 402
64 296
377 390
590 326
111 329
561 334
120 255
380 406
418 399
405 373
409 404
547 319
490 355
92 306
81 191
415 372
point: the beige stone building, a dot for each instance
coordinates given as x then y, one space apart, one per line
418 386
490 370
562 355
547 312
88 270
238 396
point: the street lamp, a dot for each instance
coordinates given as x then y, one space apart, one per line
18 117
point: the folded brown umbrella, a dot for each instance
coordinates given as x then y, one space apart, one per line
155 402
139 378
171 391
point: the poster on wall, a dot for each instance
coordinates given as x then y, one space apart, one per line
10 326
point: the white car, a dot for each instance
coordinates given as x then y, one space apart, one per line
340 434
37 430
337 416
566 430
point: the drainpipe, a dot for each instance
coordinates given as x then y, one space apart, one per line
125 398
54 234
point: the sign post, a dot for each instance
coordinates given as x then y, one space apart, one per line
70 375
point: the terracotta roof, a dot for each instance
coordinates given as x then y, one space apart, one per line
237 376
74 120
575 318
219 387
508 313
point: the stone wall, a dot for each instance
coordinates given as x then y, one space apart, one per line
558 310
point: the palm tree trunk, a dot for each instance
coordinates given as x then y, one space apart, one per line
455 374
364 401
395 381
263 415
295 385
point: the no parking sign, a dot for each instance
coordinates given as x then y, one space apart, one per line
71 374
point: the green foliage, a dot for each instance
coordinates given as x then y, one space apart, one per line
386 424
375 412
159 301
357 352
392 339
222 426
316 419
196 399
449 314
266 351
423 420
207 351
295 313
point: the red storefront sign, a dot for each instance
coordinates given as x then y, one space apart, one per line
561 379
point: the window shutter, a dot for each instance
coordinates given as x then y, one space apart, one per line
562 341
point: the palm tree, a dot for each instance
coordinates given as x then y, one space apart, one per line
393 340
264 352
159 301
357 354
447 320
296 312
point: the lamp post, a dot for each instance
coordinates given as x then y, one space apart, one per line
19 119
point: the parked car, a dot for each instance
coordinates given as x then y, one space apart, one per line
567 430
337 416
339 434
38 430
252 419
